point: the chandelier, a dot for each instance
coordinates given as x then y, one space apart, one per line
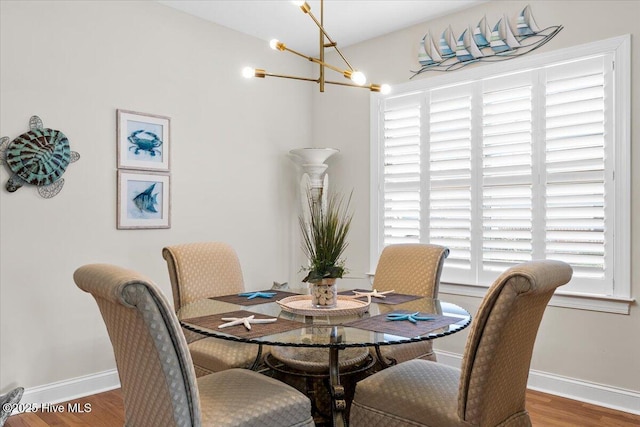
355 78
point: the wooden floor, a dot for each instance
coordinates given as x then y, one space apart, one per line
106 410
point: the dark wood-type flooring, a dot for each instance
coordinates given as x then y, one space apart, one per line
545 410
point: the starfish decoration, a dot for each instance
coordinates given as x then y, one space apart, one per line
247 321
252 295
374 293
411 317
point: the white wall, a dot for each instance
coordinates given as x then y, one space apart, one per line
591 347
73 64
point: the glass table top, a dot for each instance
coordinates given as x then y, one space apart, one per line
323 330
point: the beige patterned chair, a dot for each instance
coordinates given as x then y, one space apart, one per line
409 269
157 377
490 388
204 270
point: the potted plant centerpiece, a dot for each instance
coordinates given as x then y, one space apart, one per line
324 240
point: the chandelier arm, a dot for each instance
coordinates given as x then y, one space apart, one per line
284 76
372 87
315 60
332 43
295 52
336 69
312 59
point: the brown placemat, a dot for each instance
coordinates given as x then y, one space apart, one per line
257 329
392 298
238 300
403 328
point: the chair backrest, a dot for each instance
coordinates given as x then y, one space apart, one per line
156 372
202 270
412 268
497 355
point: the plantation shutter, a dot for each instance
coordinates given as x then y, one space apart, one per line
577 113
450 175
401 176
509 168
507 173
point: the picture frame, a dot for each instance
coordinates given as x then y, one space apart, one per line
144 200
143 141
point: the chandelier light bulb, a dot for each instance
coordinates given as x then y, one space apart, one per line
276 44
358 78
248 72
385 89
304 6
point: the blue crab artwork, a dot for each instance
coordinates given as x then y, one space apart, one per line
38 157
144 140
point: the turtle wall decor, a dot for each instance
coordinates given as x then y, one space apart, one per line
38 157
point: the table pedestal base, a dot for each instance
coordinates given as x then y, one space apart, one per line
330 399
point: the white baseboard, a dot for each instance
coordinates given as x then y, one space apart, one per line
583 391
71 389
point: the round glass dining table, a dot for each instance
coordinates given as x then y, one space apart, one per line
369 327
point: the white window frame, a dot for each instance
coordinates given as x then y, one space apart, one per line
620 48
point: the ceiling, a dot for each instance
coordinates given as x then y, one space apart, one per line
346 21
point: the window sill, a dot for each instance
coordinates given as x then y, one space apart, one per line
603 303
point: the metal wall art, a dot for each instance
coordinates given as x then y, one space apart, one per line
143 200
38 157
483 44
143 141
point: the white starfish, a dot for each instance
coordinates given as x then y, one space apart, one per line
247 321
374 293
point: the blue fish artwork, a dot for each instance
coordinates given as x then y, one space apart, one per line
146 201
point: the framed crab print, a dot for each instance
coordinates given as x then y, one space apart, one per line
143 141
143 200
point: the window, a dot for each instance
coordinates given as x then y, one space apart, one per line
502 167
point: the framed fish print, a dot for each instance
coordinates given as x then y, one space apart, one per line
143 200
143 141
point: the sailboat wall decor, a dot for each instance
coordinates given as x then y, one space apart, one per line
483 43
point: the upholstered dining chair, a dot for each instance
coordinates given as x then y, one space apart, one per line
204 270
413 269
156 373
489 389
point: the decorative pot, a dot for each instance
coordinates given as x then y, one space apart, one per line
324 293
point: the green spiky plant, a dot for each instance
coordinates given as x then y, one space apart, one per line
324 237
